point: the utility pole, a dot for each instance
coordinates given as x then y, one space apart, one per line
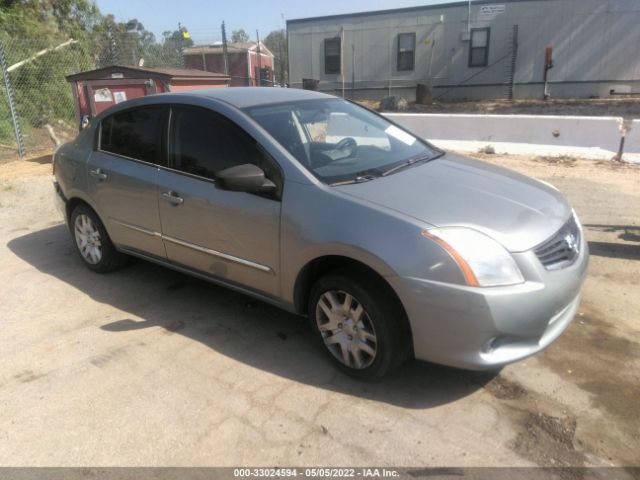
433 46
225 54
181 44
282 79
280 65
113 48
259 60
353 71
342 58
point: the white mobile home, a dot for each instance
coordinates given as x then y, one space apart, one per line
477 49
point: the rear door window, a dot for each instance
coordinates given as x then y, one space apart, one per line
133 133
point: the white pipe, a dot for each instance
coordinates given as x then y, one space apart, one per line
40 53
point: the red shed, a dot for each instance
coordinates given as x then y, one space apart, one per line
242 59
96 90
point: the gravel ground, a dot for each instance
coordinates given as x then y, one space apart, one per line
149 367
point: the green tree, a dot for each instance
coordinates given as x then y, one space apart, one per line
32 32
122 43
168 53
41 92
239 36
276 41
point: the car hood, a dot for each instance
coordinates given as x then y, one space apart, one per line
517 211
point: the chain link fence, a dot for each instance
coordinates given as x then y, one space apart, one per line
37 107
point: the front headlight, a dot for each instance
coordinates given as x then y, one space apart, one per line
482 260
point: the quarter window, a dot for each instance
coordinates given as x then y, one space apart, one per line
133 133
203 143
479 47
406 51
332 55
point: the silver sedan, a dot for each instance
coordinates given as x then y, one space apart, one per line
392 248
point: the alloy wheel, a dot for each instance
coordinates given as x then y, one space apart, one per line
88 239
346 329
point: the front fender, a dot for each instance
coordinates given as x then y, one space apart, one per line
320 221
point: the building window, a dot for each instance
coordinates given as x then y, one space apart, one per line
479 47
332 55
406 51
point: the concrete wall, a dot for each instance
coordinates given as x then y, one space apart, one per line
595 48
589 137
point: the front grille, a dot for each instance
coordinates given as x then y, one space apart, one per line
562 249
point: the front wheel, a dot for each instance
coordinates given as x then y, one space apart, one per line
359 324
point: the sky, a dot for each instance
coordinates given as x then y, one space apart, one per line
203 18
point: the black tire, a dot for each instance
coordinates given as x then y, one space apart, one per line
110 259
386 316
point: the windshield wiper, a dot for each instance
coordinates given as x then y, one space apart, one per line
361 177
411 161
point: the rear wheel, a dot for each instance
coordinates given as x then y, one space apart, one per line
359 324
92 242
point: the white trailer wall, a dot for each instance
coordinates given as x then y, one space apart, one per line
595 49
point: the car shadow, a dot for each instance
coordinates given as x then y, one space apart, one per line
625 251
627 233
235 325
41 159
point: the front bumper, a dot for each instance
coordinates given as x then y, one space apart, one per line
485 328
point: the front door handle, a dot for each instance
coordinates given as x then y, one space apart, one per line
173 197
98 173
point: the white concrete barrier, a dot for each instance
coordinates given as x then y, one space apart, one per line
589 137
632 143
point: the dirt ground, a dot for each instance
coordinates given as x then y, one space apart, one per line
627 108
37 141
145 366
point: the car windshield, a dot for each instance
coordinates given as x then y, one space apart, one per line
340 142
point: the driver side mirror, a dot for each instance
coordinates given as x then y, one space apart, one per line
245 178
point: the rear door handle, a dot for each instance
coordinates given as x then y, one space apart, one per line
99 174
173 197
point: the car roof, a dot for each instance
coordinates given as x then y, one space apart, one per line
243 97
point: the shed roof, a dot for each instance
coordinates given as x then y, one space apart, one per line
241 47
136 72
